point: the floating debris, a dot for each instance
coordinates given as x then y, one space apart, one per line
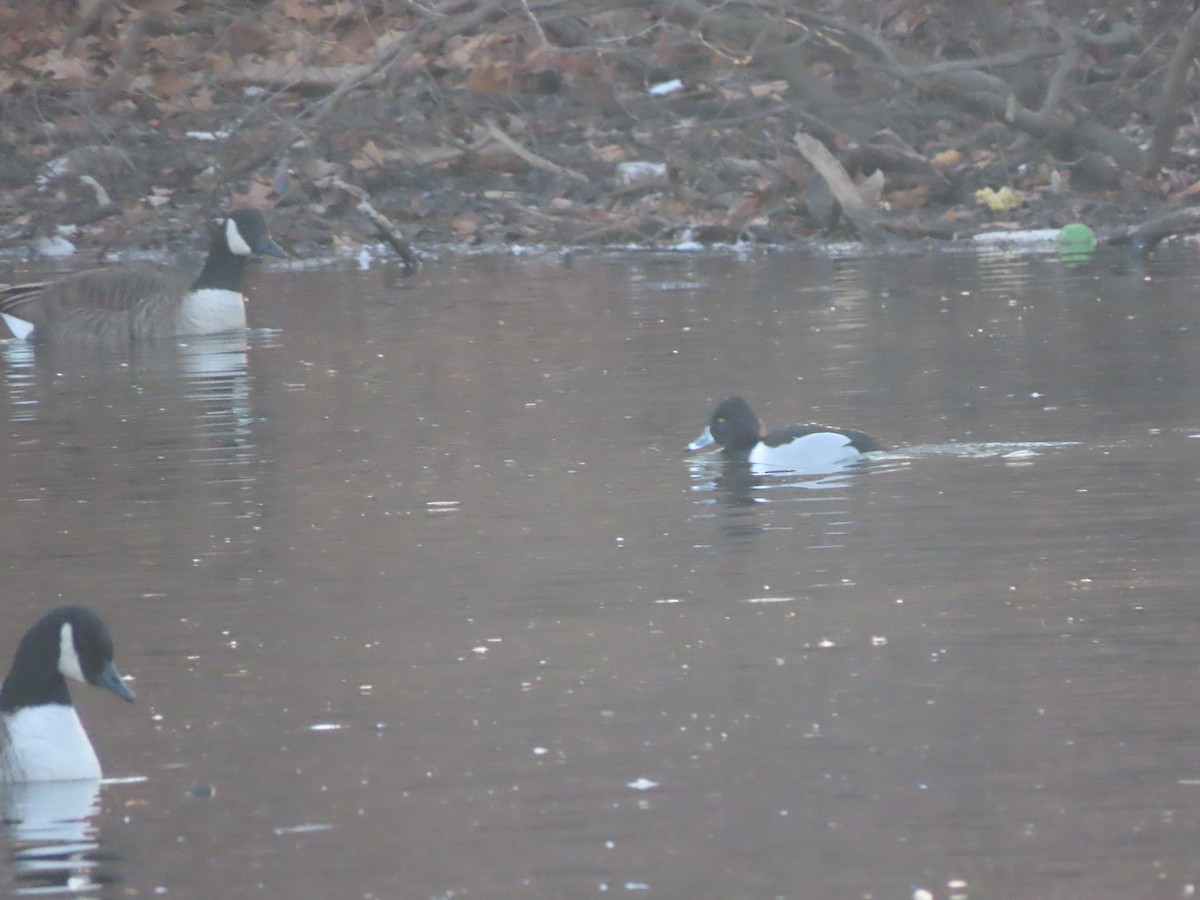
307 828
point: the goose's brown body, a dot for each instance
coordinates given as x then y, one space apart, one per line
138 302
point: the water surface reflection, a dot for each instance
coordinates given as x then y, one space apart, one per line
423 587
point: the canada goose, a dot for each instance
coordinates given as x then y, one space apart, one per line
799 448
124 303
43 739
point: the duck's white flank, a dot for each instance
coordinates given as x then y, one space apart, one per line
212 310
48 743
822 448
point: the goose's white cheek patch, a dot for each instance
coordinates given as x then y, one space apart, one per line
233 237
68 657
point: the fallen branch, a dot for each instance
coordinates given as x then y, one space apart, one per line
1067 139
382 223
861 216
1166 121
1149 235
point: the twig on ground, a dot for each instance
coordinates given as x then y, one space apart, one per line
496 133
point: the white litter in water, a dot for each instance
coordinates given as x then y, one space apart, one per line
207 135
642 784
53 246
666 87
325 726
637 171
1028 236
303 829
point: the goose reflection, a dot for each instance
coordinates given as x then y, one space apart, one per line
53 840
170 424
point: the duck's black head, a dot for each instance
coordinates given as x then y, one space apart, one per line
734 425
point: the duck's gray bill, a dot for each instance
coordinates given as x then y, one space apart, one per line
705 440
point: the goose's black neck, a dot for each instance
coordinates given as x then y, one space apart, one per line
34 679
222 269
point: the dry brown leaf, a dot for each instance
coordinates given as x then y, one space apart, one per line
370 150
467 224
64 68
611 153
302 10
913 198
496 77
369 156
750 205
947 159
260 190
246 38
1190 190
461 50
768 88
202 99
172 84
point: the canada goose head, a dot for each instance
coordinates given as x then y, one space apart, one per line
43 738
242 235
68 642
246 234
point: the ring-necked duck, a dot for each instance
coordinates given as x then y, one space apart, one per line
43 738
742 434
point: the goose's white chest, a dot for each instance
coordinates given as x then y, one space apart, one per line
211 311
47 743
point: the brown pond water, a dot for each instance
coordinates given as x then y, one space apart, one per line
421 597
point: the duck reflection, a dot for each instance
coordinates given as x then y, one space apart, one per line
741 483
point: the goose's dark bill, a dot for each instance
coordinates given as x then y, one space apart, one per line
110 679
